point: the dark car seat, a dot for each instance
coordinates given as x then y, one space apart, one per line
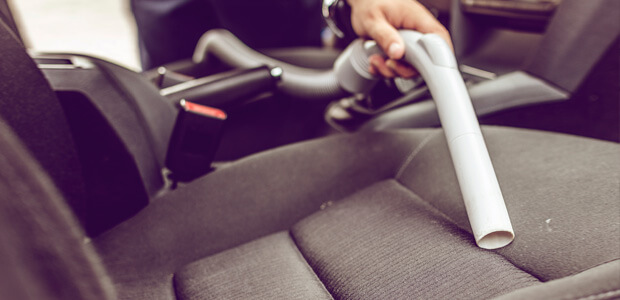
373 215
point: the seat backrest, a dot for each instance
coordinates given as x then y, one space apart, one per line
579 34
30 108
7 17
574 36
101 133
41 249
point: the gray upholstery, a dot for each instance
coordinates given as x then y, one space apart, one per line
30 108
272 191
378 215
561 192
371 237
385 242
601 282
42 255
254 270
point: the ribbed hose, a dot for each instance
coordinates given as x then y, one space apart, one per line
296 81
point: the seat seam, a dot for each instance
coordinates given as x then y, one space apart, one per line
442 214
414 152
601 295
175 288
307 264
430 206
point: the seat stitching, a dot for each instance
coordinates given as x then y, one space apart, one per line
430 206
414 153
310 268
602 295
439 212
436 210
442 214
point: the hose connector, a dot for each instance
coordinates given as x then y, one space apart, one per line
352 68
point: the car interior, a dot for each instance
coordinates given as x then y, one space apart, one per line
202 179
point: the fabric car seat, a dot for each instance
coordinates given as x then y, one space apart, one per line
378 216
374 215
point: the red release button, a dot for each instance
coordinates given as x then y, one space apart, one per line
204 110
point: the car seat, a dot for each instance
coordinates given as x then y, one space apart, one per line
371 215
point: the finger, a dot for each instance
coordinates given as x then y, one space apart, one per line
401 69
378 64
387 38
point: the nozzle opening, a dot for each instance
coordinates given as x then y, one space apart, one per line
496 239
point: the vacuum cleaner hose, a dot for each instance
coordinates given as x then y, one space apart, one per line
295 81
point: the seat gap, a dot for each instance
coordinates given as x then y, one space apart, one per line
269 267
310 268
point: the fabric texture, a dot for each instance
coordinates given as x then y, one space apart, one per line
256 270
401 227
385 243
271 192
561 193
41 250
599 283
29 107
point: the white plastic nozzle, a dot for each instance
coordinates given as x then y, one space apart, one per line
484 202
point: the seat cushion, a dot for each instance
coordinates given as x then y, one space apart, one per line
373 215
561 193
383 229
255 270
386 242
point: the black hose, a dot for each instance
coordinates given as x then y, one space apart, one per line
295 81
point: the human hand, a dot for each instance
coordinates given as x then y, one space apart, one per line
380 19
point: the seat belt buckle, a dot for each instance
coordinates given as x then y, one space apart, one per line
194 141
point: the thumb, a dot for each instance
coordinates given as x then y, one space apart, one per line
388 38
